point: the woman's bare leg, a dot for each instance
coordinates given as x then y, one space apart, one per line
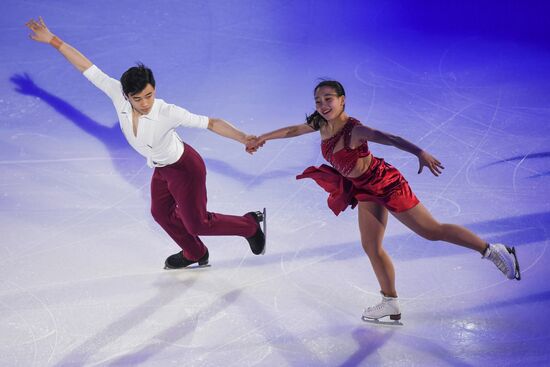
372 225
420 221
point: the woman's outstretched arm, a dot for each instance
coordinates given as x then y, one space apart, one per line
282 133
425 159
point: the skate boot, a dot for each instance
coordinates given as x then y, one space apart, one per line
178 261
388 307
504 258
257 241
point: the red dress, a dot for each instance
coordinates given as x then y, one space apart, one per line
381 182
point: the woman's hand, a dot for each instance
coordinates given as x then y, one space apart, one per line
428 160
41 33
253 143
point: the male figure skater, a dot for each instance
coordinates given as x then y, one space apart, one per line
178 185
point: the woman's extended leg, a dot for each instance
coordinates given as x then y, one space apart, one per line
421 221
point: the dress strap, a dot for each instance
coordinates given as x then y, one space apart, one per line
346 131
329 144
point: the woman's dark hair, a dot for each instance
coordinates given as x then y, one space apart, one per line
135 79
315 119
337 86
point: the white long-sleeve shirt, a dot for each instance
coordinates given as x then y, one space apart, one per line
156 138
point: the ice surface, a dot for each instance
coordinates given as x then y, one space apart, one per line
81 279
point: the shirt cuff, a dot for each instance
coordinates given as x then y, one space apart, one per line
91 72
203 122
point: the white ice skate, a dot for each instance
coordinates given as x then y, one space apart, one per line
388 307
504 258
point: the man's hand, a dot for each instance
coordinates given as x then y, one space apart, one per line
253 143
41 33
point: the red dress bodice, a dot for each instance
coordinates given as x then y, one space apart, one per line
345 159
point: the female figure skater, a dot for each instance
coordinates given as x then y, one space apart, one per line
376 187
178 185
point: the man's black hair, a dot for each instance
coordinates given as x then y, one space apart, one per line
135 79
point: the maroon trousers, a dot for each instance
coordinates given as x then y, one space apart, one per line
178 204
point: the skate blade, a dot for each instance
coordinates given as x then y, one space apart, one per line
517 274
264 225
190 267
382 322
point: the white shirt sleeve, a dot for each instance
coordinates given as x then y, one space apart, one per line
110 86
182 117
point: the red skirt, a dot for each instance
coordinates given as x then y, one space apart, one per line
381 183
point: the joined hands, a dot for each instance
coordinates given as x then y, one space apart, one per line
253 143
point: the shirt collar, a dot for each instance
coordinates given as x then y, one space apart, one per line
152 115
127 108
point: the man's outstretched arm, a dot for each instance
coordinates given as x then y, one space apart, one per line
41 33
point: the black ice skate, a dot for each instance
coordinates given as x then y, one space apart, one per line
178 261
257 241
517 274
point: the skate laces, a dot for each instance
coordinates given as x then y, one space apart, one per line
377 307
498 259
389 306
384 304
